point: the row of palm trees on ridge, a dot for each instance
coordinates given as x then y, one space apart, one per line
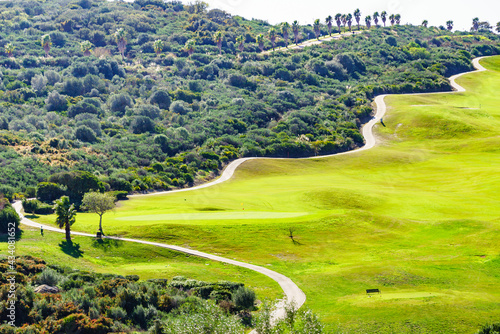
341 20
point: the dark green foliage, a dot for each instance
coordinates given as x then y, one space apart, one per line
48 191
141 124
118 103
77 183
56 102
9 220
490 329
161 98
244 298
85 134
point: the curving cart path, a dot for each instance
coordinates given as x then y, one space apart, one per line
291 290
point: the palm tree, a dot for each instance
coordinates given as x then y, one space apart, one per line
317 28
272 36
449 25
338 20
260 41
190 46
383 16
296 30
240 40
329 23
218 37
344 20
397 17
376 15
392 18
285 27
349 21
86 47
368 21
425 23
46 43
66 215
158 46
9 49
357 16
121 40
475 23
498 27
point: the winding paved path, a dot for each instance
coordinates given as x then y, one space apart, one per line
291 290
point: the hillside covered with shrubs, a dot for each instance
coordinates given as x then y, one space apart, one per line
176 108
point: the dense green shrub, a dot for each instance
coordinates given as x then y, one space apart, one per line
8 219
244 298
48 191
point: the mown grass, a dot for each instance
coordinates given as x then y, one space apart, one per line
417 217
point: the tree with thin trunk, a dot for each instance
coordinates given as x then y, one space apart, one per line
296 30
397 17
240 41
65 215
260 42
190 46
383 16
357 16
392 18
349 21
285 28
9 49
99 203
329 23
272 37
449 25
317 28
86 47
425 23
218 37
368 21
158 46
344 20
121 41
475 24
376 15
46 44
338 20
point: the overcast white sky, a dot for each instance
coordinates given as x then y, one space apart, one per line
437 12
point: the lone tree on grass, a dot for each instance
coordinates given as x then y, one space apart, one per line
66 215
99 203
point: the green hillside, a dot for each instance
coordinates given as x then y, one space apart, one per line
416 217
171 114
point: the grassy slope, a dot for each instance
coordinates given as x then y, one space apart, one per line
417 217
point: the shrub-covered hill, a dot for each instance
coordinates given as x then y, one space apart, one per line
57 299
175 109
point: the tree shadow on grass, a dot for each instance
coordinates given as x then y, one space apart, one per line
72 249
4 237
106 244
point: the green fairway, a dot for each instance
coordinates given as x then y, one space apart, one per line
417 217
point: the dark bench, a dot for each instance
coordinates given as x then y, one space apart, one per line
370 291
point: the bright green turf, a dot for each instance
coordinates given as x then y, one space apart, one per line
124 258
417 217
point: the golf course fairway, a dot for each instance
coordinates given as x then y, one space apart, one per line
417 217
